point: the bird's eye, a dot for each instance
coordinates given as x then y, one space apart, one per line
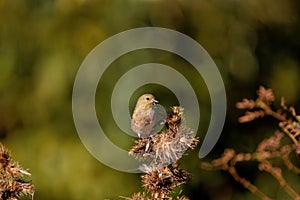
147 98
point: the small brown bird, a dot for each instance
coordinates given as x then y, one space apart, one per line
142 121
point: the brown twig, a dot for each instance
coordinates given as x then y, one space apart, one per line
268 149
247 184
276 173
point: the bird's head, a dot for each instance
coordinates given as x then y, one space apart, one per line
146 101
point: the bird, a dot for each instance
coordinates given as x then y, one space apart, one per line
142 122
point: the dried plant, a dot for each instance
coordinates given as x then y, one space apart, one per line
268 149
159 154
13 183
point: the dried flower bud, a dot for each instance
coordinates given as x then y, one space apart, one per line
174 119
164 180
265 95
270 144
250 116
245 104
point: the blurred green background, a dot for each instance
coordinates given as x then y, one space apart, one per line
43 43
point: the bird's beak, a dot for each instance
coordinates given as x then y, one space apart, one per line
155 101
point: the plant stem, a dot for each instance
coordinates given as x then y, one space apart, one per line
247 184
277 174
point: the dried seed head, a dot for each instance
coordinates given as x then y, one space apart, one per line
165 147
265 95
164 180
174 119
12 183
159 154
